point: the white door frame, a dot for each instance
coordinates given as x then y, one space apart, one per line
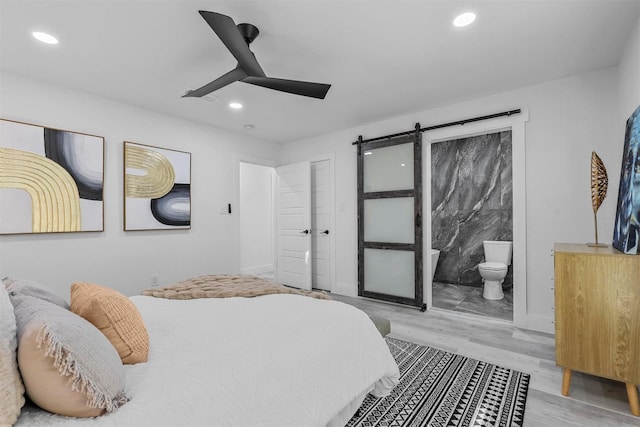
331 158
237 159
516 124
242 158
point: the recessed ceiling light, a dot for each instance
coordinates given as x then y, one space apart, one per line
464 19
44 37
235 105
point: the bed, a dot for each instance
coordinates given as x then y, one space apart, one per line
272 360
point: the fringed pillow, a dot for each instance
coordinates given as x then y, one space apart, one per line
11 388
116 317
68 366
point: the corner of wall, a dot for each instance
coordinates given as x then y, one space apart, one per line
628 71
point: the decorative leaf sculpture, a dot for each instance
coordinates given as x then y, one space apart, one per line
599 185
599 181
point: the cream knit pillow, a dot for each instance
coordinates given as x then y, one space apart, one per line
11 388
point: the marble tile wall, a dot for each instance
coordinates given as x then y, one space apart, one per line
471 201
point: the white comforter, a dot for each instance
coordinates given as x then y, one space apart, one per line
276 360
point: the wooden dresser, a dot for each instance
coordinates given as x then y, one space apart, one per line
597 310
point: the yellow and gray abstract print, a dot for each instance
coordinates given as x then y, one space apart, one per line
50 180
157 185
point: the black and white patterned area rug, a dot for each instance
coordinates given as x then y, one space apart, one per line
438 388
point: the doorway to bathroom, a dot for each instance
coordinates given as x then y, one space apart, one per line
471 195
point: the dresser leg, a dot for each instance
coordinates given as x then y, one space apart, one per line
632 394
566 381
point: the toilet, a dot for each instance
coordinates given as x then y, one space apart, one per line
497 257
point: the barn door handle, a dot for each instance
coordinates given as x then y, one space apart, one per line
325 232
305 231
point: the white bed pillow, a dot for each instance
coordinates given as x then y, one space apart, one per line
11 388
68 366
34 289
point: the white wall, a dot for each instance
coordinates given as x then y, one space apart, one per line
256 219
568 119
126 261
630 76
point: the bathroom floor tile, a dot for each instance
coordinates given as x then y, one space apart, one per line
468 299
451 293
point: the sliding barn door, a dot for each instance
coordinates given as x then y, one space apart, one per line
390 220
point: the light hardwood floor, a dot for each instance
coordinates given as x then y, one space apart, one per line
592 401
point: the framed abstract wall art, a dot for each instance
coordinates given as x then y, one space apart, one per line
157 188
51 180
626 231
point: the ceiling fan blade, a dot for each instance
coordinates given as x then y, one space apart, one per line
228 33
313 90
228 78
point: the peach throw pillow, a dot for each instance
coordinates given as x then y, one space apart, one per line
68 366
46 386
116 316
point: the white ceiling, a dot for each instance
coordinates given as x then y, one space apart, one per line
383 58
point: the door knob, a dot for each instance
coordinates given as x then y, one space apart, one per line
325 232
305 231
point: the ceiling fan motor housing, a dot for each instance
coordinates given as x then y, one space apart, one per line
249 32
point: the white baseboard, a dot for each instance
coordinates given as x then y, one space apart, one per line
540 324
346 289
261 271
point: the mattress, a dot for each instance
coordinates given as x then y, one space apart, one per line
274 360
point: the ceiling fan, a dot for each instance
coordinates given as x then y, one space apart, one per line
237 39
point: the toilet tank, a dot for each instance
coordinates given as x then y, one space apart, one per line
497 251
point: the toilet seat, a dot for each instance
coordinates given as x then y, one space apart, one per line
492 266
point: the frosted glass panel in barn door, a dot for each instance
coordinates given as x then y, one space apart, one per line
390 219
293 224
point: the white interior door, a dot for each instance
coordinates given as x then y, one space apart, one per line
321 225
293 208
